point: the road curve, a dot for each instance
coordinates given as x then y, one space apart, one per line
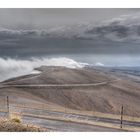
57 85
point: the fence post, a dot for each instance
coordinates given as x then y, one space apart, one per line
65 108
121 116
8 107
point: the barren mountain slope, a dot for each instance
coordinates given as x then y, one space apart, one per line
107 97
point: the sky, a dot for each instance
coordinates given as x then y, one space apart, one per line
40 18
102 36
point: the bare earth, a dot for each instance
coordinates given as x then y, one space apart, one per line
78 89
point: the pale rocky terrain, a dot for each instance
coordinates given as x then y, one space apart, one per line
105 98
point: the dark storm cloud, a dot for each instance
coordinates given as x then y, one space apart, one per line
125 28
37 32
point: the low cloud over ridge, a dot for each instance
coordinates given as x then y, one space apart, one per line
12 68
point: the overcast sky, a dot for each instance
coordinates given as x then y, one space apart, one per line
33 18
90 35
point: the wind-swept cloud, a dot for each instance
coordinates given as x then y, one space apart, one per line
13 68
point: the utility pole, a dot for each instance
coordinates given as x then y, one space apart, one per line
8 107
121 116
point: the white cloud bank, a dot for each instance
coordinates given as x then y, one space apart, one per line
10 68
99 64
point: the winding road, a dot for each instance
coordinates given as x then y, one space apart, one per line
5 85
51 119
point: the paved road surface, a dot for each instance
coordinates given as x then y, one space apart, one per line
65 126
74 116
56 125
59 125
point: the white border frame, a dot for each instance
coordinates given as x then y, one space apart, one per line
69 3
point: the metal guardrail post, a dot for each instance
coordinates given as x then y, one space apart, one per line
8 107
121 116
